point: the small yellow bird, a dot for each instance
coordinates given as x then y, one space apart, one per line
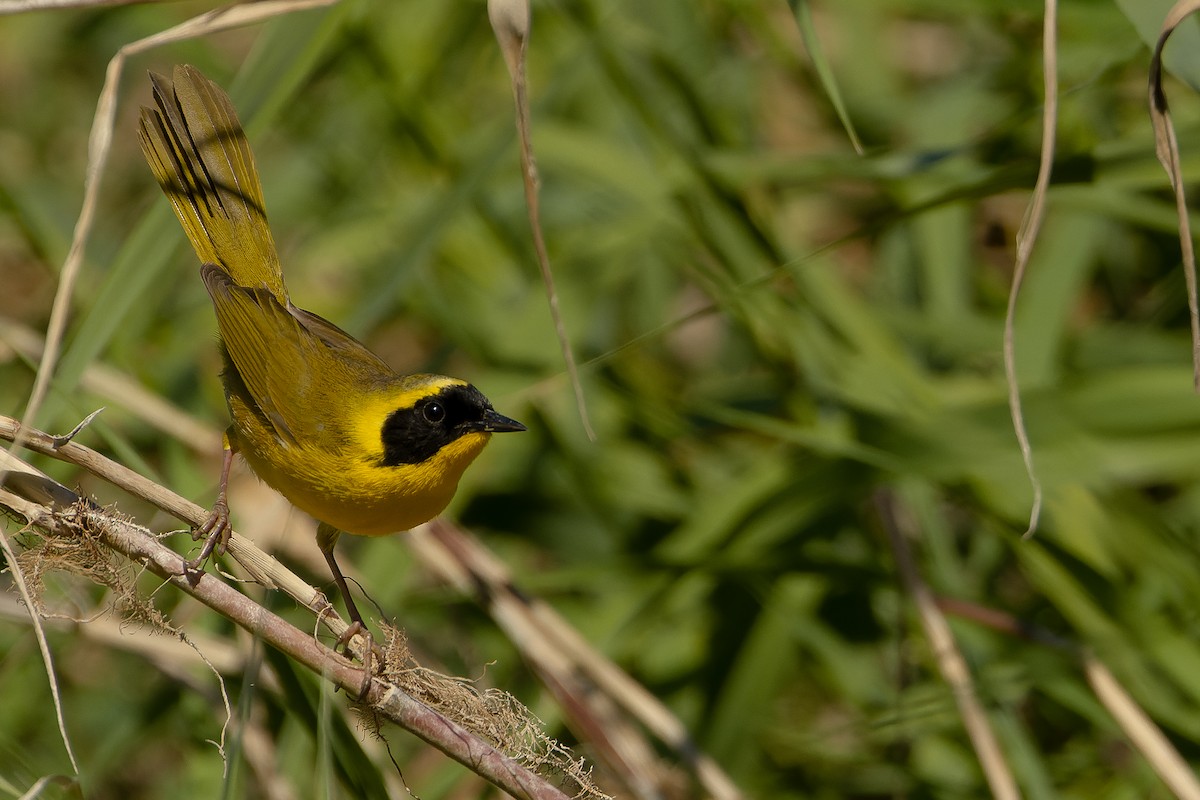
316 414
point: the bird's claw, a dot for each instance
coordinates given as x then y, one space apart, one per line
215 531
373 656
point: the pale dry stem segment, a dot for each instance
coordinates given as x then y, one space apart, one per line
261 567
510 20
11 466
607 706
1026 238
1142 732
1166 148
949 659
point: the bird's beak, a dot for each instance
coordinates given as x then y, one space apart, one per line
498 423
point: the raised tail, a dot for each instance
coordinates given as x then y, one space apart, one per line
195 145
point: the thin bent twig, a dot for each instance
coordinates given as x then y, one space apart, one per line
949 659
1026 238
1147 737
1166 148
510 22
1143 734
569 666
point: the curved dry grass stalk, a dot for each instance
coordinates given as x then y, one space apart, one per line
21 6
949 659
1026 238
119 389
1166 148
1147 737
510 22
7 469
596 695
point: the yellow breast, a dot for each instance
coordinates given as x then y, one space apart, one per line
357 495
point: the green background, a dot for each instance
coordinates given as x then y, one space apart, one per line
773 330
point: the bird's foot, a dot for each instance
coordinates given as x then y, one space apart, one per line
215 532
372 658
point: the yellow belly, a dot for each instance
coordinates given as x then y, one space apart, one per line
356 495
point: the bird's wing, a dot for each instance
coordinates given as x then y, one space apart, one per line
301 371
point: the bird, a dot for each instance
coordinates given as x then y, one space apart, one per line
316 415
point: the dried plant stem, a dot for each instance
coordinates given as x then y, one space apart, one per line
1147 737
21 6
1166 148
1026 238
117 388
510 21
261 566
39 632
570 666
950 661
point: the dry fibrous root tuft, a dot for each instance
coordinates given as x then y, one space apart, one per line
76 549
492 714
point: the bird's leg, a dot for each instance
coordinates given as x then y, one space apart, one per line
327 537
216 529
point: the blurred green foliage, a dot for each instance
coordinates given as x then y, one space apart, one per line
773 327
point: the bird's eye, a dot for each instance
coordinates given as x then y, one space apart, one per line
434 412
